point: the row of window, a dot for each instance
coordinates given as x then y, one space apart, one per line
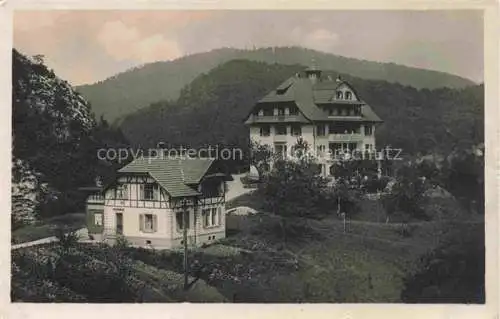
211 217
296 130
332 111
149 191
281 148
342 129
148 223
344 111
280 111
281 129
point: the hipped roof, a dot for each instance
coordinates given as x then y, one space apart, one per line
307 95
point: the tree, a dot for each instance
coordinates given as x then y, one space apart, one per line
300 150
260 157
407 196
294 189
463 176
39 58
344 198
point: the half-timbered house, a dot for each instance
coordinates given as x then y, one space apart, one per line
147 201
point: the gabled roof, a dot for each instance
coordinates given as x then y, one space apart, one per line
175 175
307 95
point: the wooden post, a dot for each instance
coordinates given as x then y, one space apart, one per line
343 215
184 226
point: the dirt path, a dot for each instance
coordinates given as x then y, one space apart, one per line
235 188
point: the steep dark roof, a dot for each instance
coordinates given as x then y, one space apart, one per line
307 95
175 175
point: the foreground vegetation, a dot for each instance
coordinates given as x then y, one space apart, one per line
369 262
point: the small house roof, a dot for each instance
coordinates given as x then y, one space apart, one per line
176 175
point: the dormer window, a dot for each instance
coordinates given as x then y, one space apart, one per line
348 95
340 95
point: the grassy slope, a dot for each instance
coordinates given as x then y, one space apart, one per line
367 263
47 228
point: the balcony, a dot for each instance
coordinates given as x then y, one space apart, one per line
278 118
354 137
280 138
98 201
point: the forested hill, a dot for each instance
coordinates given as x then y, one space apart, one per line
55 140
131 90
211 110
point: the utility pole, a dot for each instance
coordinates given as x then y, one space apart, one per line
184 226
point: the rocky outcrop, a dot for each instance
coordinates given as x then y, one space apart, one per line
52 130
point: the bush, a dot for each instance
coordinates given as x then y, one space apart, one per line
374 184
66 240
406 200
121 242
99 281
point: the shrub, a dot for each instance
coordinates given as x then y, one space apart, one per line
121 242
374 184
66 240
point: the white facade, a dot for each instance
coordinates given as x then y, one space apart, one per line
155 222
328 115
319 143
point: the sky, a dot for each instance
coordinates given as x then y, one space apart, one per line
88 46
